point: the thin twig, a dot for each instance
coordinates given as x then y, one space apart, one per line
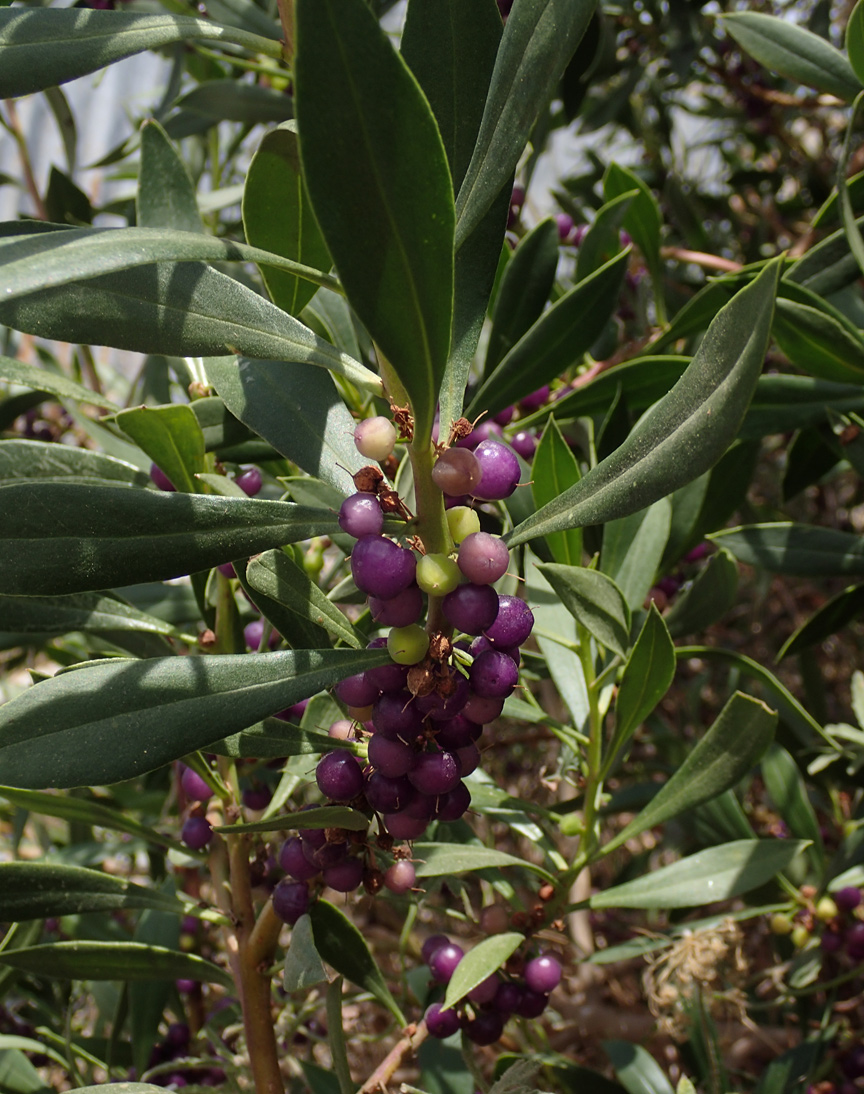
414 1037
14 127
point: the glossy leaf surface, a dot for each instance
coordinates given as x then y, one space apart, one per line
485 958
109 721
594 600
171 437
381 189
113 961
554 470
684 434
70 537
786 548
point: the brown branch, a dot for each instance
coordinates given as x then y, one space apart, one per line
699 258
413 1037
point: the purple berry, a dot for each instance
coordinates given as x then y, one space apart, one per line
854 940
250 482
361 515
325 856
401 826
391 757
441 1023
471 608
482 643
257 797
482 709
194 787
485 991
536 398
525 443
381 567
440 708
507 998
454 805
486 1028
565 227
294 862
532 1004
186 987
469 758
433 942
293 714
196 833
401 877
345 876
399 611
386 795
513 623
356 691
387 678
848 898
505 416
831 942
443 962
456 733
456 472
291 900
543 973
395 715
481 432
494 675
483 558
339 776
435 773
253 633
500 471
161 479
226 569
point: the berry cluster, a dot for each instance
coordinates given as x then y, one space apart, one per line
486 1009
176 1046
839 917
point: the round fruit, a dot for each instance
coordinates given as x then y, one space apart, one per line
524 443
435 773
361 515
291 900
848 898
196 833
161 479
294 862
345 876
441 1023
407 645
512 624
437 574
381 567
194 787
462 522
456 472
485 990
483 558
433 942
375 438
401 826
471 608
493 675
486 1028
543 973
250 481
386 795
399 611
401 877
339 776
444 960
391 757
500 471
356 691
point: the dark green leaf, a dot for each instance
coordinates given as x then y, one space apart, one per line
303 968
42 379
297 409
632 549
341 945
38 890
440 859
19 1076
855 43
819 340
113 961
231 100
539 39
788 790
717 873
70 537
637 1069
737 739
646 679
801 549
556 341
277 215
708 599
171 437
602 241
166 196
378 178
25 459
110 721
829 619
485 958
274 738
553 471
276 575
595 601
76 612
36 53
782 403
684 434
643 220
793 52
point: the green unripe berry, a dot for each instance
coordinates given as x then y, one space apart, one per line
800 936
826 909
407 645
462 521
437 574
781 924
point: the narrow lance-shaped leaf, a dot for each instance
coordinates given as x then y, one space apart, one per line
485 958
70 537
326 816
553 471
381 189
646 679
106 722
740 734
166 196
539 39
26 459
77 612
34 43
171 437
441 859
41 379
113 961
684 434
594 600
801 549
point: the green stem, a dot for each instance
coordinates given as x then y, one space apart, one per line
337 1036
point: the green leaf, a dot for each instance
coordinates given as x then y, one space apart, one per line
278 216
632 549
485 958
788 790
684 434
113 961
42 379
166 196
297 409
77 612
149 998
739 736
28 1044
280 578
227 99
440 859
35 43
794 52
709 598
19 1076
819 340
827 620
380 185
783 403
20 459
595 601
86 811
70 537
112 720
326 816
559 339
801 549
637 1069
303 968
525 287
643 220
171 437
539 39
718 873
855 43
274 738
553 471
645 680
37 890
341 945
602 241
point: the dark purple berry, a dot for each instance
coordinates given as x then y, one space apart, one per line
250 482
435 773
486 1028
507 997
532 1004
485 991
505 416
257 797
293 714
443 962
401 826
525 443
471 608
493 675
454 805
386 795
381 567
541 395
500 471
456 733
294 862
325 856
482 709
399 611
291 900
482 643
848 898
339 776
196 833
469 758
831 942
512 624
194 787
226 569
253 633
433 942
483 558
345 876
391 757
387 677
395 715
440 708
161 479
441 1023
543 973
456 472
361 515
854 940
356 691
481 432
